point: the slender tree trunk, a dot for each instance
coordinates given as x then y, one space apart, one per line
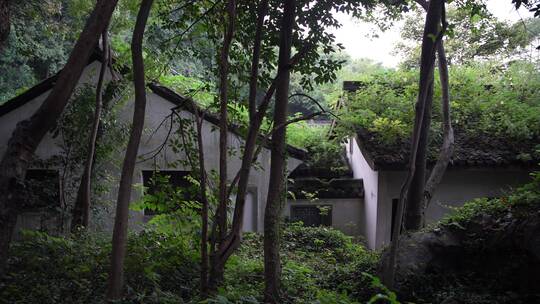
29 133
432 36
204 211
5 22
81 211
254 77
216 275
447 148
274 203
116 276
232 241
413 216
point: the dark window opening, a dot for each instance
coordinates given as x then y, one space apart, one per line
395 202
41 190
163 181
312 216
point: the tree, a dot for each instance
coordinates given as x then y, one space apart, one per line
29 133
474 34
216 274
252 44
81 210
433 32
274 200
116 277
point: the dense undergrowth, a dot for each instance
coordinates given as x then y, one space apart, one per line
320 265
485 252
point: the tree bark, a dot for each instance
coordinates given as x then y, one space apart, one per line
29 133
216 275
5 22
81 211
204 210
252 97
413 216
447 148
432 36
274 201
116 276
232 240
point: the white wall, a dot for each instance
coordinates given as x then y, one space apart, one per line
159 108
156 128
48 146
457 187
361 169
8 121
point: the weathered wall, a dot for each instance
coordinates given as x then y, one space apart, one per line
457 187
155 133
361 169
47 148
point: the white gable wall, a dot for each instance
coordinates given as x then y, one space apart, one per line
362 170
457 187
9 120
154 135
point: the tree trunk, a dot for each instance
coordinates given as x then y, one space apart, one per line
232 240
5 22
29 133
81 211
252 97
414 212
431 38
447 148
274 201
204 210
116 277
216 275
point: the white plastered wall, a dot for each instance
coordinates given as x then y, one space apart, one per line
48 146
157 110
457 187
362 170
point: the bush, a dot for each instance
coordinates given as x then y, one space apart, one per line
320 265
46 269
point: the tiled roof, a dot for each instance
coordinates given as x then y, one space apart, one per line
480 150
191 106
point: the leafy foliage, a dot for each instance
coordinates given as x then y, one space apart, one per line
529 194
473 35
485 99
321 265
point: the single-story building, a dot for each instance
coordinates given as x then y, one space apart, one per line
482 166
161 102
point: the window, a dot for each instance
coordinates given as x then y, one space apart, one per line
153 182
42 189
395 202
312 215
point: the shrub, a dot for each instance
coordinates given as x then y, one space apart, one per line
46 269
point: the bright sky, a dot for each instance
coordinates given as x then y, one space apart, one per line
380 49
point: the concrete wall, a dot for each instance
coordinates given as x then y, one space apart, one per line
158 109
347 214
457 187
48 147
155 133
361 169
